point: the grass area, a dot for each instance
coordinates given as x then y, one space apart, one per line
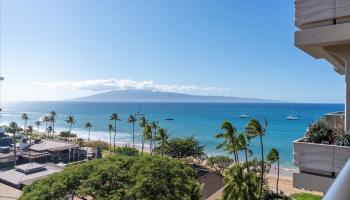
305 196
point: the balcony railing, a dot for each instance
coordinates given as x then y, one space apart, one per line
340 187
313 13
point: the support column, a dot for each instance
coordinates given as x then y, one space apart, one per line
347 95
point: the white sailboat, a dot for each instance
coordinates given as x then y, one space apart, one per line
244 116
292 117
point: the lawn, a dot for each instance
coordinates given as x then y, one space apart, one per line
305 196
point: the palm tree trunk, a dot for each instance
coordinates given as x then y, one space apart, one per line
162 148
89 133
14 148
133 134
150 146
30 141
45 129
142 146
262 167
278 174
53 126
246 159
115 133
110 143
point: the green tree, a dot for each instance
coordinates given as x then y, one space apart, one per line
243 144
132 120
88 125
110 130
49 130
183 147
37 124
255 129
13 128
30 135
240 185
119 177
53 117
71 121
274 157
127 151
147 135
25 118
230 143
162 138
143 123
154 126
46 120
220 162
115 118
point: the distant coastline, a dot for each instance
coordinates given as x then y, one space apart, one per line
167 97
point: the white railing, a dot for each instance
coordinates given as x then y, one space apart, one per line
340 187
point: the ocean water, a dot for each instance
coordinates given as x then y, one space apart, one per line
201 120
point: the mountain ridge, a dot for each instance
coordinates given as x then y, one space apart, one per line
157 96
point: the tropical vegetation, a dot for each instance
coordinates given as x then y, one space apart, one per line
119 177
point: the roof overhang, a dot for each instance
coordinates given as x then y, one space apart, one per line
315 41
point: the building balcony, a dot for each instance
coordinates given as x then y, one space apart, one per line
320 163
318 13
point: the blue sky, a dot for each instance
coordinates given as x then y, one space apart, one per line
62 49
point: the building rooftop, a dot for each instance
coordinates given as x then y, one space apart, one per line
17 178
29 167
51 145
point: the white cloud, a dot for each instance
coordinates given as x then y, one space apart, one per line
123 84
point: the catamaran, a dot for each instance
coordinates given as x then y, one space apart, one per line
292 117
244 116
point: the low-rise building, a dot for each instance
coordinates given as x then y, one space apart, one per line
25 174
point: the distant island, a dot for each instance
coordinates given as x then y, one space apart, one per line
156 96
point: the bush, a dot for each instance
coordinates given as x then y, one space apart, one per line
98 143
320 132
182 148
67 134
220 162
127 151
343 140
119 177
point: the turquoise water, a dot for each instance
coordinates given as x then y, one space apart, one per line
201 120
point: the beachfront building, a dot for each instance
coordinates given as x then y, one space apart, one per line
25 174
324 33
43 151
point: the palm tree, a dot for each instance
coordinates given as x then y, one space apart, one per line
132 120
88 125
143 123
147 135
110 130
242 142
254 129
162 138
116 118
154 126
30 134
70 120
230 141
53 120
273 157
37 124
46 119
25 118
240 185
13 128
49 130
